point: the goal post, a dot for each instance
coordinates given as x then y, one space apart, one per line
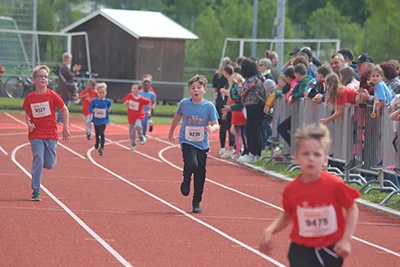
272 42
18 33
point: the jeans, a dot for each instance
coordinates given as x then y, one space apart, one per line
88 123
133 129
145 122
194 160
44 156
266 132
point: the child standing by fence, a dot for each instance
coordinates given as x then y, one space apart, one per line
87 96
314 203
200 118
100 107
136 104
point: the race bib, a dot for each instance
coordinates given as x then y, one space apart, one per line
100 113
133 105
40 110
194 134
316 222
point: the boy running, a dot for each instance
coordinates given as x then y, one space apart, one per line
136 104
315 202
200 118
87 96
40 117
100 107
148 92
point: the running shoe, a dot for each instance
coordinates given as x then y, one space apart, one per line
36 196
133 147
96 146
196 208
101 151
151 125
142 140
89 137
185 187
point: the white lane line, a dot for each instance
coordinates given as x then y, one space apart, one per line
160 155
70 150
63 146
255 251
265 202
78 127
14 118
73 215
136 151
11 134
3 150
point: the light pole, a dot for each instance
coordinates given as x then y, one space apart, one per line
254 31
280 30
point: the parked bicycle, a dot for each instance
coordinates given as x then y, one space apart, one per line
19 86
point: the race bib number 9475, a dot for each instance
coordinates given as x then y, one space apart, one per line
194 134
40 110
316 222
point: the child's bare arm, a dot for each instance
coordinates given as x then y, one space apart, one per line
278 225
394 116
343 247
175 121
213 128
28 122
338 113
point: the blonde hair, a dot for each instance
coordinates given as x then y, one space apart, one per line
224 62
101 86
237 78
198 78
333 87
316 131
38 68
92 82
377 69
270 54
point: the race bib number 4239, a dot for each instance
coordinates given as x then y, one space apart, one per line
194 134
40 110
316 222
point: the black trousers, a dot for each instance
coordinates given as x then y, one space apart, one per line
284 129
255 115
194 160
99 131
301 256
225 126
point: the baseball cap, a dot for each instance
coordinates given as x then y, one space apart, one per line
364 58
294 52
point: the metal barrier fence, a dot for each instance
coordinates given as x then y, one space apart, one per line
355 134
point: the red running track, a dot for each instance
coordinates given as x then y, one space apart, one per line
126 209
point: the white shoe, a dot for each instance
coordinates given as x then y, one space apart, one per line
222 151
142 140
249 159
228 154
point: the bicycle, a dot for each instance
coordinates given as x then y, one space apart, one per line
20 86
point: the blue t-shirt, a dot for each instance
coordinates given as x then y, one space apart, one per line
195 119
150 95
382 92
99 108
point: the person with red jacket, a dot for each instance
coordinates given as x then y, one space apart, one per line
87 96
40 116
315 202
136 113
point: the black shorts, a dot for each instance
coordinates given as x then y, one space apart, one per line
301 256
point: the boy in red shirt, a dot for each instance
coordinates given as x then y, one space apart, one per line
136 114
315 202
87 96
40 117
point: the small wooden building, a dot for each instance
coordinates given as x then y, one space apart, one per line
127 44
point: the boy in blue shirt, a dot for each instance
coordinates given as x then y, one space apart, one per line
100 107
147 92
200 118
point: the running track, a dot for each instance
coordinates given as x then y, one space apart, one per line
126 208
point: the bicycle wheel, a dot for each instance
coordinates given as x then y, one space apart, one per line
14 87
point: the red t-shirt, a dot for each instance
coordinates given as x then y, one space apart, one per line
346 95
317 209
41 109
135 107
92 94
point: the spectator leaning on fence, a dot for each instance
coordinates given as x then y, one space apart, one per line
265 66
337 62
347 78
317 85
349 61
390 76
273 57
365 63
